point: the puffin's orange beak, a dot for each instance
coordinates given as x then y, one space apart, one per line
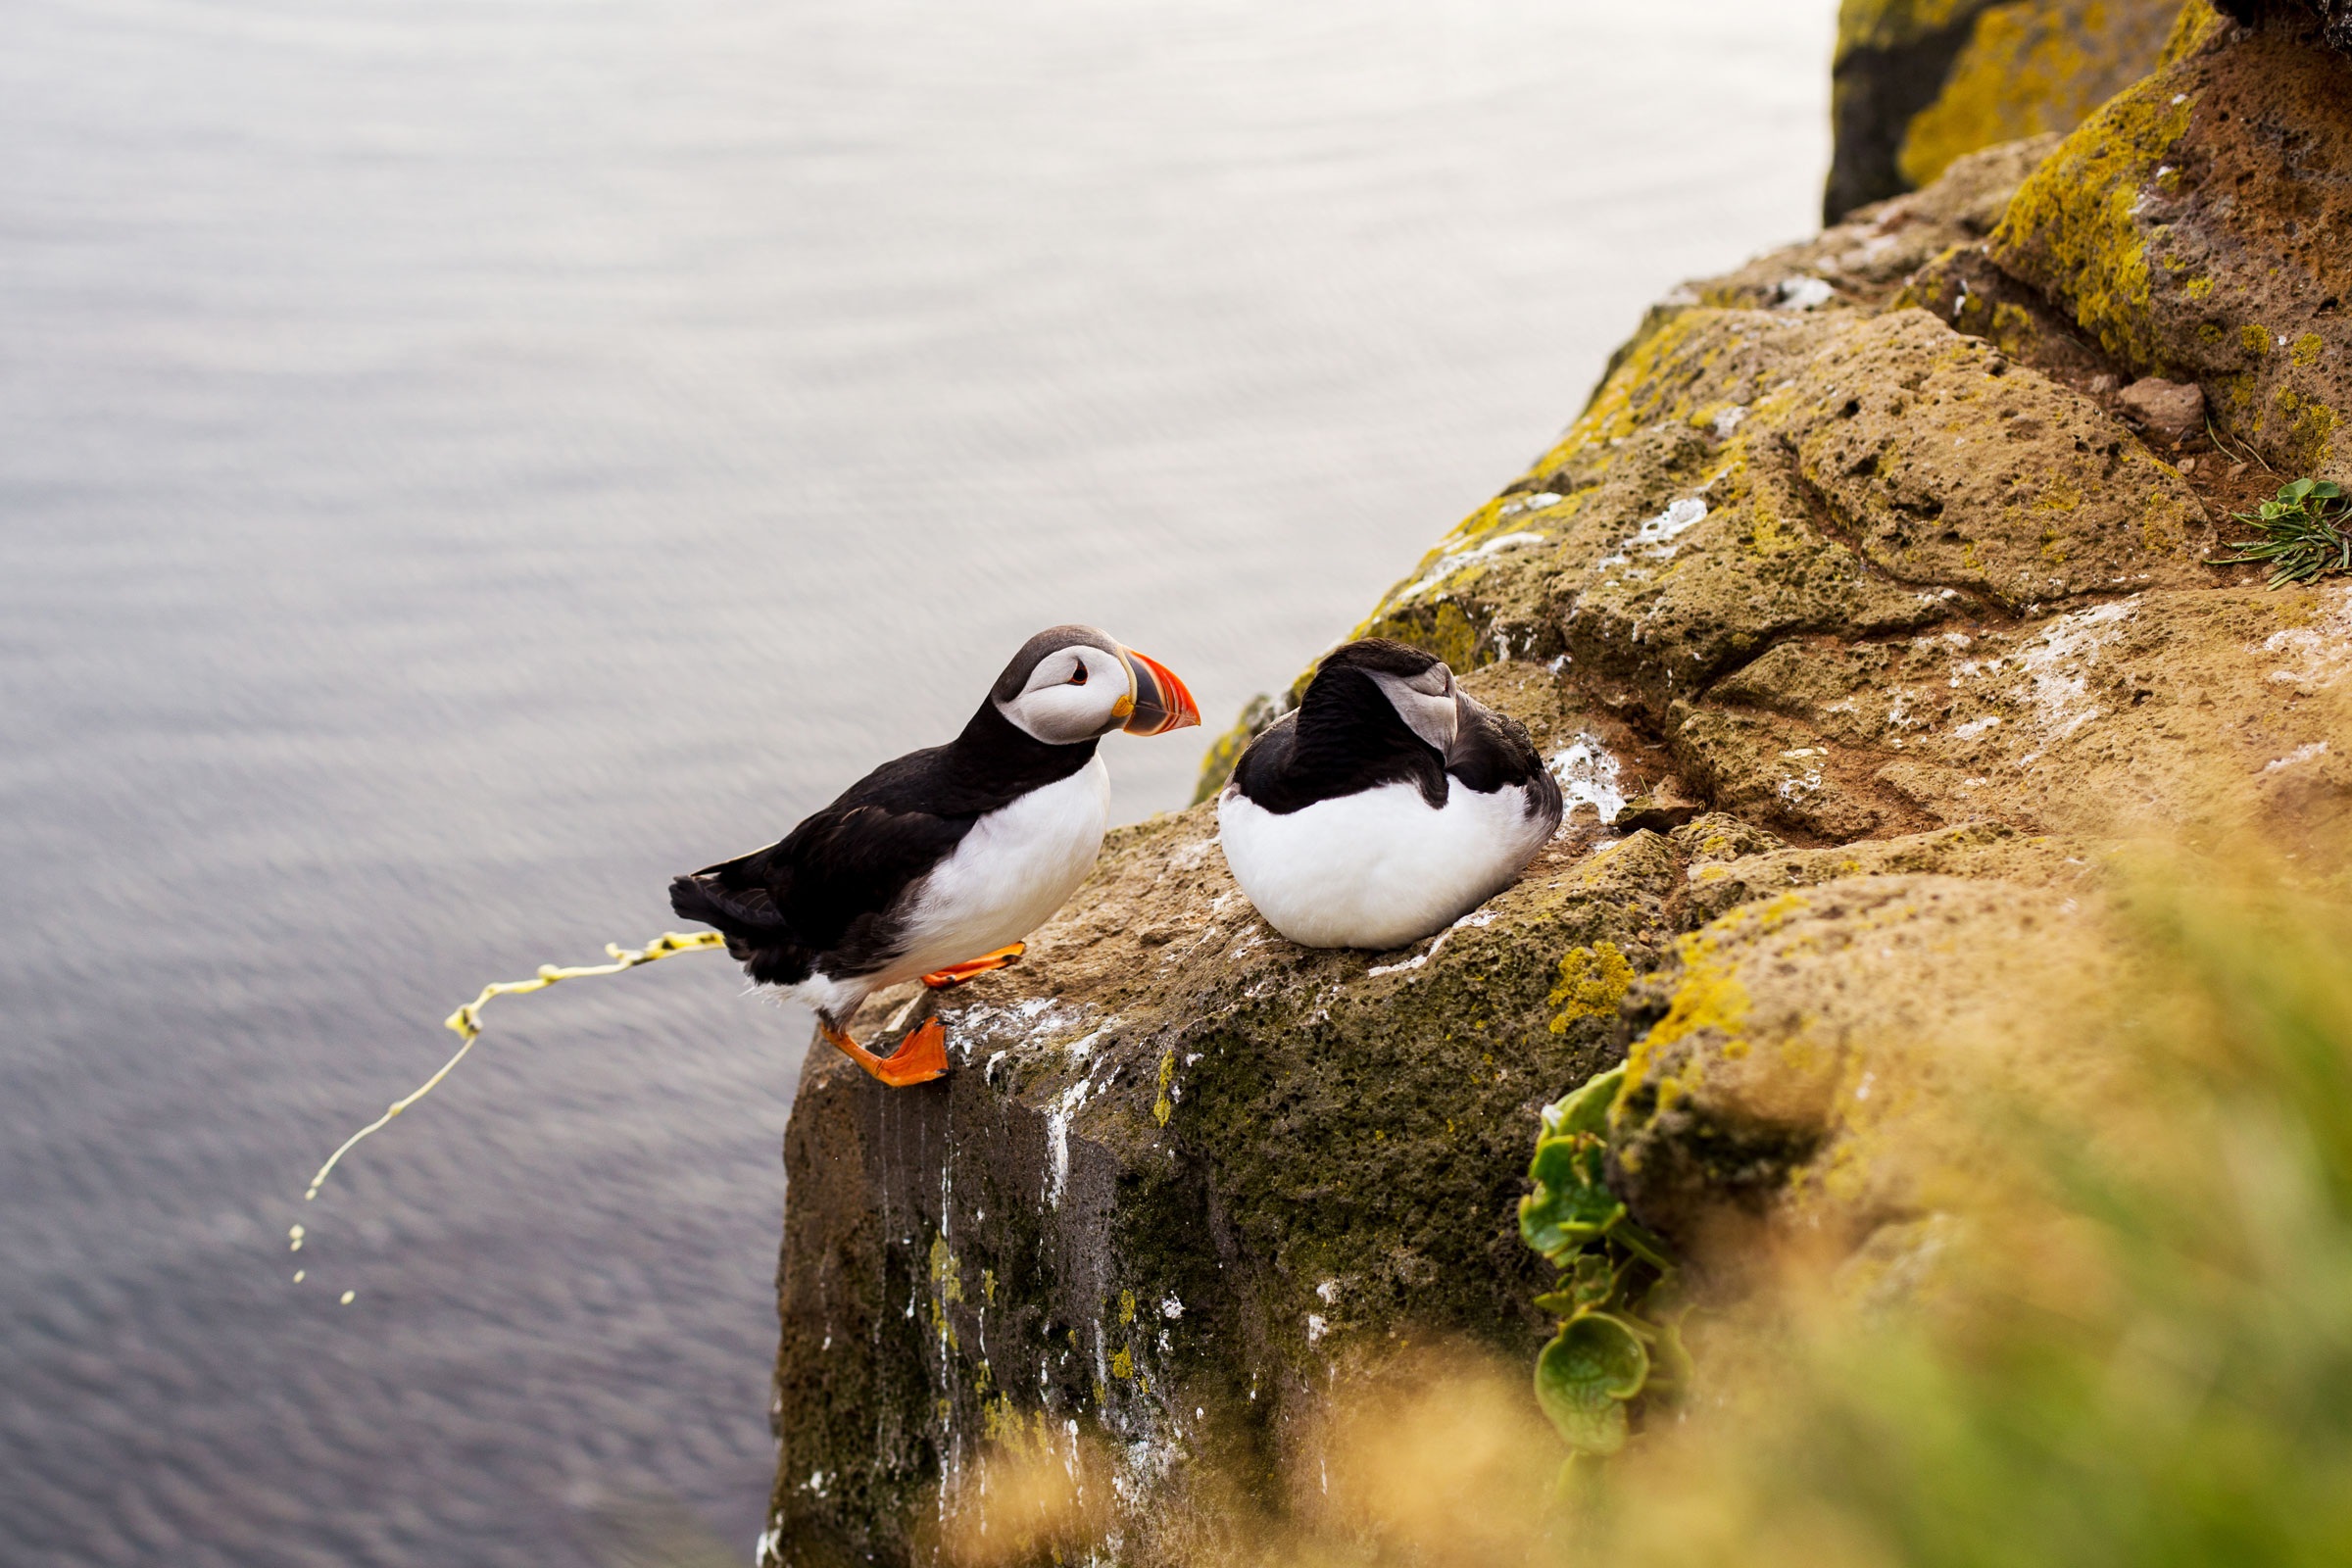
1161 704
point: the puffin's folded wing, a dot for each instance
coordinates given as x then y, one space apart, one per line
852 863
1492 750
845 865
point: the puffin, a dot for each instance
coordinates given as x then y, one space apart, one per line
936 865
1385 806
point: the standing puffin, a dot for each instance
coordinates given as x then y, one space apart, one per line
1386 806
938 864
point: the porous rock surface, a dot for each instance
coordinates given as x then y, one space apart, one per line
2197 228
1861 624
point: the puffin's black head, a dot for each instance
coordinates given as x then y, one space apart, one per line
1073 683
1373 677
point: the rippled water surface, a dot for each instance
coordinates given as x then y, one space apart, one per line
463 462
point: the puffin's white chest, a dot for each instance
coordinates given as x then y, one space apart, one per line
1015 868
1378 868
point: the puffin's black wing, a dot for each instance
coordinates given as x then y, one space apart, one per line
1491 750
828 888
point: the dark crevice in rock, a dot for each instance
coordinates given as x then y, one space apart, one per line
2333 17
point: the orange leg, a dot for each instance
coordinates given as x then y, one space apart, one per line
921 1057
955 974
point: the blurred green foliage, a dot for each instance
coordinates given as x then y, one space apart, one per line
2142 1357
1619 1338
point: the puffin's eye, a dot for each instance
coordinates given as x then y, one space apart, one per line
1078 676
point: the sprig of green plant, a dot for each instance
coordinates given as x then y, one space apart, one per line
1620 1338
2299 534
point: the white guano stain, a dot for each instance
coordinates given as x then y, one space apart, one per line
1589 773
1476 917
1655 538
2320 651
1058 1131
1454 560
2301 754
1803 293
2057 688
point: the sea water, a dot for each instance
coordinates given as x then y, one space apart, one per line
464 462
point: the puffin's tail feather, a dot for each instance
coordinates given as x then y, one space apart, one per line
748 912
739 897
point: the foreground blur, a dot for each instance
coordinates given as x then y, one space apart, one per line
2134 1346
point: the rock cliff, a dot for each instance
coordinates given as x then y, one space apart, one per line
1862 614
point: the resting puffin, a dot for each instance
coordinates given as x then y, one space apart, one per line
938 864
1386 806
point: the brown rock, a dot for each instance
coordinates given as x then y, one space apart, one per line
2197 226
1944 464
2174 410
2335 16
1808 1060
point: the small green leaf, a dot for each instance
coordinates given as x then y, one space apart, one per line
1588 1282
1584 1376
1572 1203
2298 534
1590 1279
1584 1109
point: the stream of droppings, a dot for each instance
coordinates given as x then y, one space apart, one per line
467 463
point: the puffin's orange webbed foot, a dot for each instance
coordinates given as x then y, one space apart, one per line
921 1057
955 974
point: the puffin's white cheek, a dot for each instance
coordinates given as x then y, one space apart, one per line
1062 714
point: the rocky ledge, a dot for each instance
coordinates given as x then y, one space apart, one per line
1872 603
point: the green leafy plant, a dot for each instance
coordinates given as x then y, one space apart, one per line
1619 1341
2300 533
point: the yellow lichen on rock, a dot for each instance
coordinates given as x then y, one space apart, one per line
2073 221
2032 66
2192 234
1891 24
1592 981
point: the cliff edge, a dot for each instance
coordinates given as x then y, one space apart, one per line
1873 601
